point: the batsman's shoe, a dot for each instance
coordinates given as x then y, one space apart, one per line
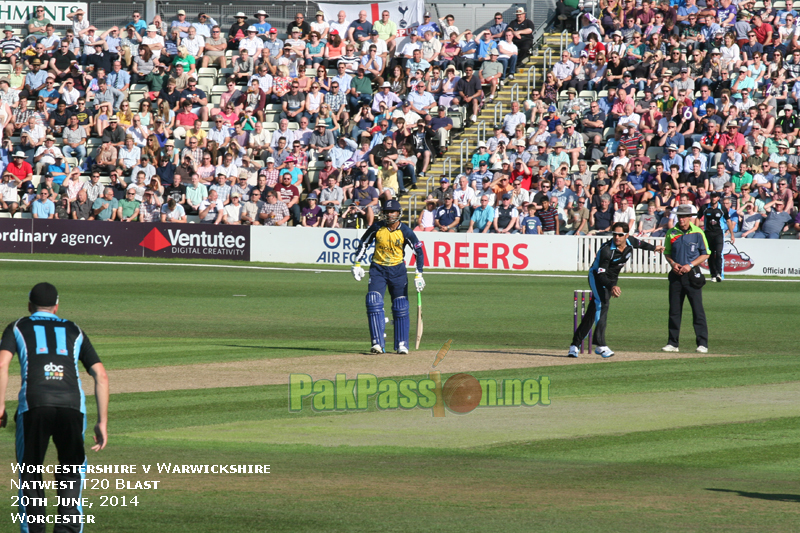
573 351
377 348
603 351
402 348
670 348
702 349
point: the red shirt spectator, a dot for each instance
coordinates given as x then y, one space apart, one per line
20 168
762 32
736 139
286 191
185 117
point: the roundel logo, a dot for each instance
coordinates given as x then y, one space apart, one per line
332 239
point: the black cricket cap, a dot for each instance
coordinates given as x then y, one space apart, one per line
43 295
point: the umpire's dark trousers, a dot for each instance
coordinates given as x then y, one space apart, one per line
679 290
34 430
716 242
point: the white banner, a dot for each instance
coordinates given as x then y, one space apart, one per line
406 14
762 257
20 12
442 250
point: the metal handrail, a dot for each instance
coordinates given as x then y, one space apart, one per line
481 133
515 92
498 112
448 164
562 41
415 210
547 62
463 152
531 79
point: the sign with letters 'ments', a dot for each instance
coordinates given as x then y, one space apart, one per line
17 13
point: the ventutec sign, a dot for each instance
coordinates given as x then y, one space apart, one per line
197 241
192 241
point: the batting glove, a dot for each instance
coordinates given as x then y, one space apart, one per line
358 272
419 283
4 419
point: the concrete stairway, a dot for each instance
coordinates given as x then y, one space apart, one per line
450 165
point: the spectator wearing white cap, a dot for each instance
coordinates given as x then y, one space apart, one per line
523 33
671 157
386 97
180 24
252 43
481 155
696 154
573 142
153 40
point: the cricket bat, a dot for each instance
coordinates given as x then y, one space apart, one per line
419 319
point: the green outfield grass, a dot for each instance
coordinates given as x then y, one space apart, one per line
704 444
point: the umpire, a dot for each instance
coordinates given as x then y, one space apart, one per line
716 222
685 248
51 403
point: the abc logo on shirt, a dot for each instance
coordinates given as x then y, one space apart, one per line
52 371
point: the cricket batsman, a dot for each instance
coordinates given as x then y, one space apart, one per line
603 278
389 270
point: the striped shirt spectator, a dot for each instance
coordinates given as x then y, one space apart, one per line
196 154
149 212
548 217
336 101
223 191
272 177
277 211
10 44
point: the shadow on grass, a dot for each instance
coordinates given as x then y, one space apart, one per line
795 498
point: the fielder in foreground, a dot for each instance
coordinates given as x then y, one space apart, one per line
52 404
388 269
603 278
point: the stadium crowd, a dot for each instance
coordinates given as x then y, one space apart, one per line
650 106
314 124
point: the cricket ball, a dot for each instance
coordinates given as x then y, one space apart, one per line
461 393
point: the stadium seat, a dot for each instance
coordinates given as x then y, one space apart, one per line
655 152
